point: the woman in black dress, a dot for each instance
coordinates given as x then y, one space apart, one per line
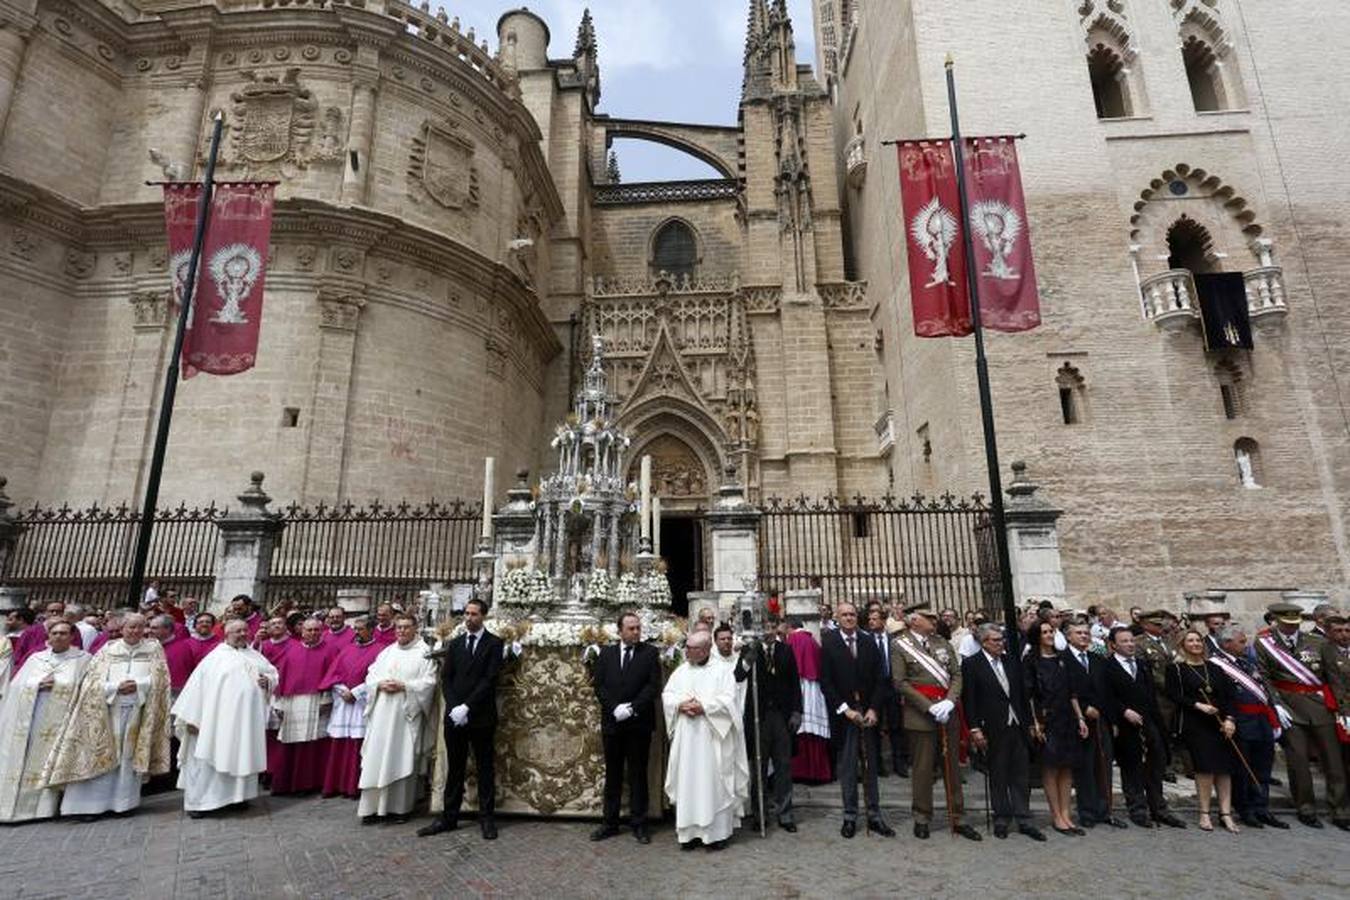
1204 699
1058 726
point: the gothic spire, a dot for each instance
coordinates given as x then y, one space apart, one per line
770 55
586 43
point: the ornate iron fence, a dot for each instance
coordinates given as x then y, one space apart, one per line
391 551
84 556
859 549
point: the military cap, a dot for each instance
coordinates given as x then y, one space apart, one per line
1290 613
922 609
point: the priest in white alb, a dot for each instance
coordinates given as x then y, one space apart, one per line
117 735
400 692
38 701
704 768
221 720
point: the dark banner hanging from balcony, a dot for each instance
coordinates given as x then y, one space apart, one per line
1223 311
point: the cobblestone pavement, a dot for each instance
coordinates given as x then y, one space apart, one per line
284 847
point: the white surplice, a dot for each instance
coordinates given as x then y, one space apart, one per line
704 767
738 727
30 720
396 741
219 761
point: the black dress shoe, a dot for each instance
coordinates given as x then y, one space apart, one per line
717 845
401 819
1268 819
489 829
1170 820
1141 821
1031 831
876 826
691 845
848 829
1001 831
902 771
1117 823
1310 821
1342 824
437 826
196 814
921 831
370 820
1251 821
789 827
640 832
968 833
604 831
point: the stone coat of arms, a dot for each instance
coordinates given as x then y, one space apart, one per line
442 164
277 123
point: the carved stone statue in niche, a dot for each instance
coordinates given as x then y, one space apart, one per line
277 127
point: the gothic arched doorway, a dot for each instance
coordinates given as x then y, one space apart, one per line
682 481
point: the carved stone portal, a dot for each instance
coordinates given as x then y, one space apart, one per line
676 469
441 164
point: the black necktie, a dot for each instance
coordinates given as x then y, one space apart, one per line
627 657
885 658
1082 658
473 639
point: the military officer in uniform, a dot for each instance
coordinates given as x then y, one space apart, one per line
926 672
1154 648
1336 661
1295 666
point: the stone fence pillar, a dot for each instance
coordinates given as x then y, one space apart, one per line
9 531
248 535
515 527
1033 540
734 523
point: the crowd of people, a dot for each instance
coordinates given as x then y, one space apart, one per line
98 709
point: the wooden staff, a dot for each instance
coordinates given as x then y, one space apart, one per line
1209 700
1103 767
948 775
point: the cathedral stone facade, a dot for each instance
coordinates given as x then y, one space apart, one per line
449 234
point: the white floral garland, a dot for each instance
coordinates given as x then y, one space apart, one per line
524 587
599 588
654 589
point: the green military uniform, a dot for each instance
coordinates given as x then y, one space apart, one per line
1336 663
921 729
1314 724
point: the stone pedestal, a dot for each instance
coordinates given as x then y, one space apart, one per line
248 535
1033 540
734 524
516 528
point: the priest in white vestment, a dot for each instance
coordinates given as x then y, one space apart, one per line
117 735
38 701
725 653
400 691
704 767
221 720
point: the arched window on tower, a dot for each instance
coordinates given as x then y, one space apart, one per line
1229 376
1190 246
675 250
1110 90
1205 77
1071 387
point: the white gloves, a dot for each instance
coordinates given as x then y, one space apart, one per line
460 715
1286 720
623 712
942 710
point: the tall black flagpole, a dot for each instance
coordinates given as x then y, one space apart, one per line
147 524
982 373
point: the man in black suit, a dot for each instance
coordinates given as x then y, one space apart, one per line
890 727
851 680
469 671
1092 774
1130 703
778 715
627 679
995 703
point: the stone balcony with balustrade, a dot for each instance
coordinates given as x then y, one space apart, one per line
855 160
1170 300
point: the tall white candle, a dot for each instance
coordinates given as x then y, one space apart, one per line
488 492
645 510
656 526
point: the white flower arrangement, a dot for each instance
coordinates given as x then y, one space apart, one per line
599 588
654 589
524 587
629 592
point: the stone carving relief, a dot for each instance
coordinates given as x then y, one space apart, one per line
150 309
441 166
80 264
340 310
23 244
676 469
277 126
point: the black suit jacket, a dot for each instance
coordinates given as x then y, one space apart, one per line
638 684
1120 692
780 690
1086 685
473 680
982 697
843 679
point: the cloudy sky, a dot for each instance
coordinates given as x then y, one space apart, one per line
677 60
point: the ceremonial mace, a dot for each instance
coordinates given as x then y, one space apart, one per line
948 774
1232 743
749 603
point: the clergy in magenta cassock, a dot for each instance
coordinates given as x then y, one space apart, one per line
179 654
704 767
117 735
32 639
346 682
336 630
220 718
385 633
400 692
37 702
304 707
